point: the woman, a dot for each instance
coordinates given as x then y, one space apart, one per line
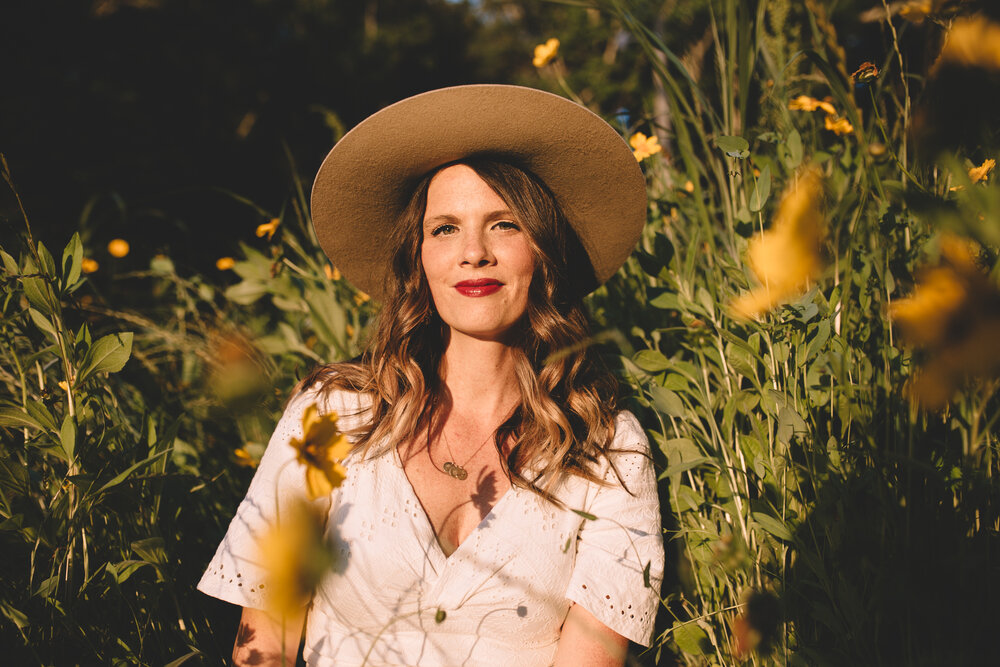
498 508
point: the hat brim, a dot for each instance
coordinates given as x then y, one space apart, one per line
367 179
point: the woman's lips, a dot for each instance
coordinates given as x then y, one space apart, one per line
480 287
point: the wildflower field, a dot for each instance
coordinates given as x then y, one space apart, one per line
809 332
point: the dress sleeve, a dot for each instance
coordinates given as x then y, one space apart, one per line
614 549
235 574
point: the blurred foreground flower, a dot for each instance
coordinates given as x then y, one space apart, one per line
332 272
832 122
980 173
806 103
643 146
89 265
268 228
544 53
118 248
225 263
757 626
361 298
971 42
237 374
787 257
244 458
839 126
954 317
321 450
296 555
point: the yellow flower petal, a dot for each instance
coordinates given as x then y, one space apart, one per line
644 146
118 248
788 256
971 42
544 53
268 228
839 126
89 265
225 263
806 103
980 173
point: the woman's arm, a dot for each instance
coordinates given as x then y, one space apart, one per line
259 640
586 642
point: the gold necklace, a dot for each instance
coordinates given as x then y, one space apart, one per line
454 469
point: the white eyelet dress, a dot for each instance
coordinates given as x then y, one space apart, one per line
394 598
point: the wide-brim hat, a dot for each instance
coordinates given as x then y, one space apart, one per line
368 177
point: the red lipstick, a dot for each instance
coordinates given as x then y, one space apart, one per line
478 287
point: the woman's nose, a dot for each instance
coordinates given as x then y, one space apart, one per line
476 250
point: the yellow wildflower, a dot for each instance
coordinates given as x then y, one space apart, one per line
349 330
244 458
806 103
89 265
268 228
916 10
839 126
787 257
544 53
118 248
321 450
643 146
361 298
980 173
954 315
688 186
971 42
295 555
332 272
225 263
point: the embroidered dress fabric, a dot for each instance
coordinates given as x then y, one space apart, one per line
394 598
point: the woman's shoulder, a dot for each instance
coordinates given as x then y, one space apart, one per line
328 396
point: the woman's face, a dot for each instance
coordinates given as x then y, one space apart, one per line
476 256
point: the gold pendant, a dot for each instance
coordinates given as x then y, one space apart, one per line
456 471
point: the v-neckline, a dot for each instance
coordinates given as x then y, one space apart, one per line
429 525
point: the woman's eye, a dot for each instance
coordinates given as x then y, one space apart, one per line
443 229
507 224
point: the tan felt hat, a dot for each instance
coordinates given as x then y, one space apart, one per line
367 179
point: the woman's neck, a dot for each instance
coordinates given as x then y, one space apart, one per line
480 379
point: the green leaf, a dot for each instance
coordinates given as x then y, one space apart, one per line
72 261
42 322
9 263
125 569
17 418
651 361
586 515
794 146
67 436
39 295
48 268
107 354
790 424
690 638
684 466
666 401
122 476
440 615
772 525
184 658
737 147
151 550
666 301
761 190
41 415
246 292
161 265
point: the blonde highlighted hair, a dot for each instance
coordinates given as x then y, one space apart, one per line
565 420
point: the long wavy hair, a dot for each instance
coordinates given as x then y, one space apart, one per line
564 422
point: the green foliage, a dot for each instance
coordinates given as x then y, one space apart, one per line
815 514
